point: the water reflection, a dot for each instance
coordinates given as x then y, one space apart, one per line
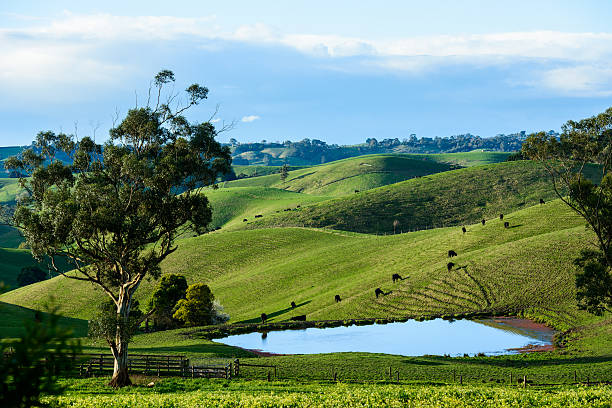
411 338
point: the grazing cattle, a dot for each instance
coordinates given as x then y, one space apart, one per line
298 206
395 277
451 253
337 298
378 291
449 266
356 191
264 317
541 201
258 216
293 305
463 230
483 221
300 318
244 220
501 216
506 224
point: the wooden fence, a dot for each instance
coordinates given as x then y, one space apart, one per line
160 365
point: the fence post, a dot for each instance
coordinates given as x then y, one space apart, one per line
460 379
398 376
390 374
268 376
575 376
192 372
101 362
524 381
510 378
236 367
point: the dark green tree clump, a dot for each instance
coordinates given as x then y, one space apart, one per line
284 172
583 153
197 308
30 274
115 211
170 289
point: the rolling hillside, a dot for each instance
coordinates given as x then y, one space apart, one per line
526 267
231 205
451 198
343 177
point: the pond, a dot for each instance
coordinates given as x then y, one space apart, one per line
493 336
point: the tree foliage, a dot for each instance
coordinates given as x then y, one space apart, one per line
197 308
170 289
115 211
582 153
30 365
30 274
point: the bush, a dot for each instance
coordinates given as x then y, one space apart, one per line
199 307
170 289
30 274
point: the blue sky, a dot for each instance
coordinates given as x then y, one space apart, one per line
339 71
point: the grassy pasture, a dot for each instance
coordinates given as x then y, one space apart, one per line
526 267
343 177
450 198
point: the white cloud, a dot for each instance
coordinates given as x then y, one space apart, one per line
584 80
66 49
250 118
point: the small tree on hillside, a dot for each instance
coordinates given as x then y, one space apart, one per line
170 289
30 274
284 172
114 213
584 152
197 308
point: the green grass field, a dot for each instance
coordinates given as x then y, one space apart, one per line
526 267
343 177
450 198
231 205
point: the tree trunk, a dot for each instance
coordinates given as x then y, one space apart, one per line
119 349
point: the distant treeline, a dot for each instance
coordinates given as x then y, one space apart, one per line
309 152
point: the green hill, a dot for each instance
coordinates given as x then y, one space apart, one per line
11 262
231 205
444 199
343 177
525 267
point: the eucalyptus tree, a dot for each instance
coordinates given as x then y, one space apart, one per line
114 211
581 154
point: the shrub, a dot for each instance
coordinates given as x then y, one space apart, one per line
199 307
30 274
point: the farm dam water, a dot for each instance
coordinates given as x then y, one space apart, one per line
490 336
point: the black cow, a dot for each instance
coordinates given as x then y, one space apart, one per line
506 224
264 317
298 206
258 216
395 277
449 266
337 298
463 229
541 201
300 318
501 216
378 291
451 253
483 221
244 220
293 305
356 191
